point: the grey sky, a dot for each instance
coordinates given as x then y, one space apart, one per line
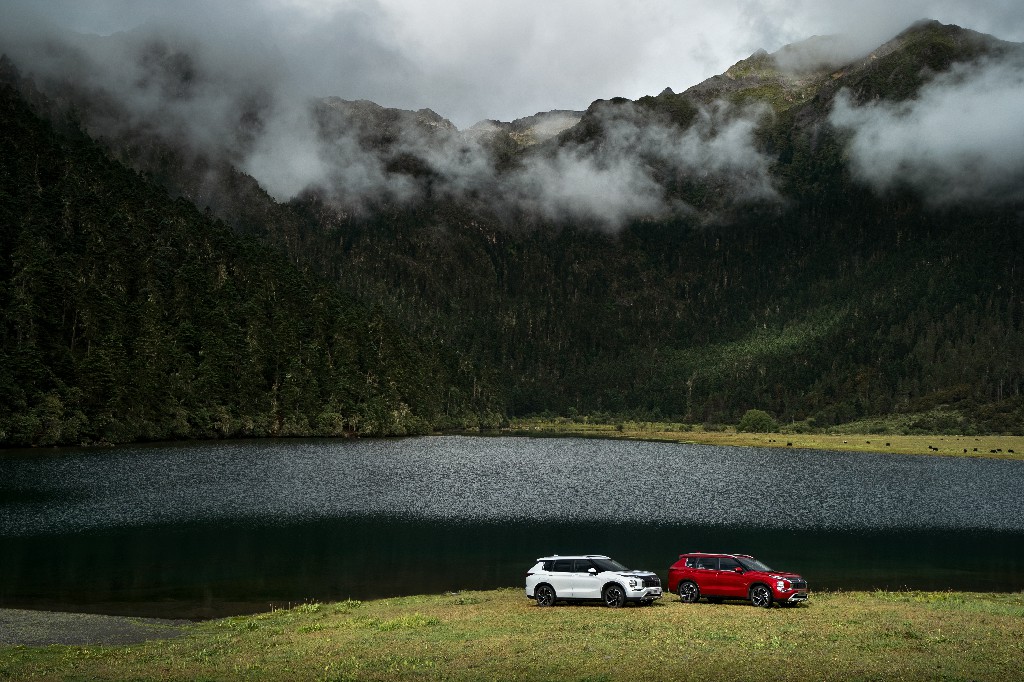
475 59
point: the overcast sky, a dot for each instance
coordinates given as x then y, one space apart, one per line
475 59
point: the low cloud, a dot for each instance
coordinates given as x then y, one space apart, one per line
622 173
246 87
960 139
821 52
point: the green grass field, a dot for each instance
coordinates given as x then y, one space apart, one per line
500 635
1003 447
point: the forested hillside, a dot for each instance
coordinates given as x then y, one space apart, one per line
754 242
830 301
130 316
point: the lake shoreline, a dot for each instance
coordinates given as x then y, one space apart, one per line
28 627
1000 446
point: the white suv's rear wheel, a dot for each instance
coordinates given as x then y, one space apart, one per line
545 595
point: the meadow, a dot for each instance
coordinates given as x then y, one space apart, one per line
842 439
501 635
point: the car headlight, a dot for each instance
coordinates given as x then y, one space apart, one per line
782 585
633 582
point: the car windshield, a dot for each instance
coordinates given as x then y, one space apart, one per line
753 565
608 565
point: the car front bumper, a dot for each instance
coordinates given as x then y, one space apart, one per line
791 597
644 594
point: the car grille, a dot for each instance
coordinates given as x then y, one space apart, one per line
652 581
798 584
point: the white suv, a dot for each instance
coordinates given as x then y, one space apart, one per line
589 577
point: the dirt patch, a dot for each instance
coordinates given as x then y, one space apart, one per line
40 628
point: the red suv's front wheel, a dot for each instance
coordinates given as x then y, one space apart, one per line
760 595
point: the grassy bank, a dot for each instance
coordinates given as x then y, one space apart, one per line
500 635
1005 447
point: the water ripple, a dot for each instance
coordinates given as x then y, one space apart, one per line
479 479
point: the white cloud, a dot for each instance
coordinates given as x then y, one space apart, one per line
960 139
255 65
617 176
473 59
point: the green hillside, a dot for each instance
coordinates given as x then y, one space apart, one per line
836 303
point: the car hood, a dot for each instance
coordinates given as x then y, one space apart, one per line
634 574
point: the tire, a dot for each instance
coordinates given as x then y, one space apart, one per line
614 596
688 592
545 595
761 595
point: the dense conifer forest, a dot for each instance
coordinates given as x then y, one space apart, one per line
130 315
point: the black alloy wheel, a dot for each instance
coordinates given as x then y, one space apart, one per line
761 596
545 595
688 592
614 596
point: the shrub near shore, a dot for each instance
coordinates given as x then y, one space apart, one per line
501 635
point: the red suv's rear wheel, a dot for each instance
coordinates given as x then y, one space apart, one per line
688 592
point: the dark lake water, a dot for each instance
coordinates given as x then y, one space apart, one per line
209 529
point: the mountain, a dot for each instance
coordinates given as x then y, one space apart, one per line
800 234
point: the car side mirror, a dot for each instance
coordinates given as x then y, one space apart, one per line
592 571
738 569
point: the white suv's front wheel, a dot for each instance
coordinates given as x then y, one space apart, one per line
614 596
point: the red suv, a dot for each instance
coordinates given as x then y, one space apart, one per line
733 576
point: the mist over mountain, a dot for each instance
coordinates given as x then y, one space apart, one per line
957 140
223 101
829 231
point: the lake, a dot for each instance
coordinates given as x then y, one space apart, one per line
208 529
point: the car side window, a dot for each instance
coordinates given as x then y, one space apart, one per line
692 562
708 562
562 566
546 565
727 564
582 565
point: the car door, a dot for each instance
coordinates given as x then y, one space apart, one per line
731 583
585 583
706 575
560 578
